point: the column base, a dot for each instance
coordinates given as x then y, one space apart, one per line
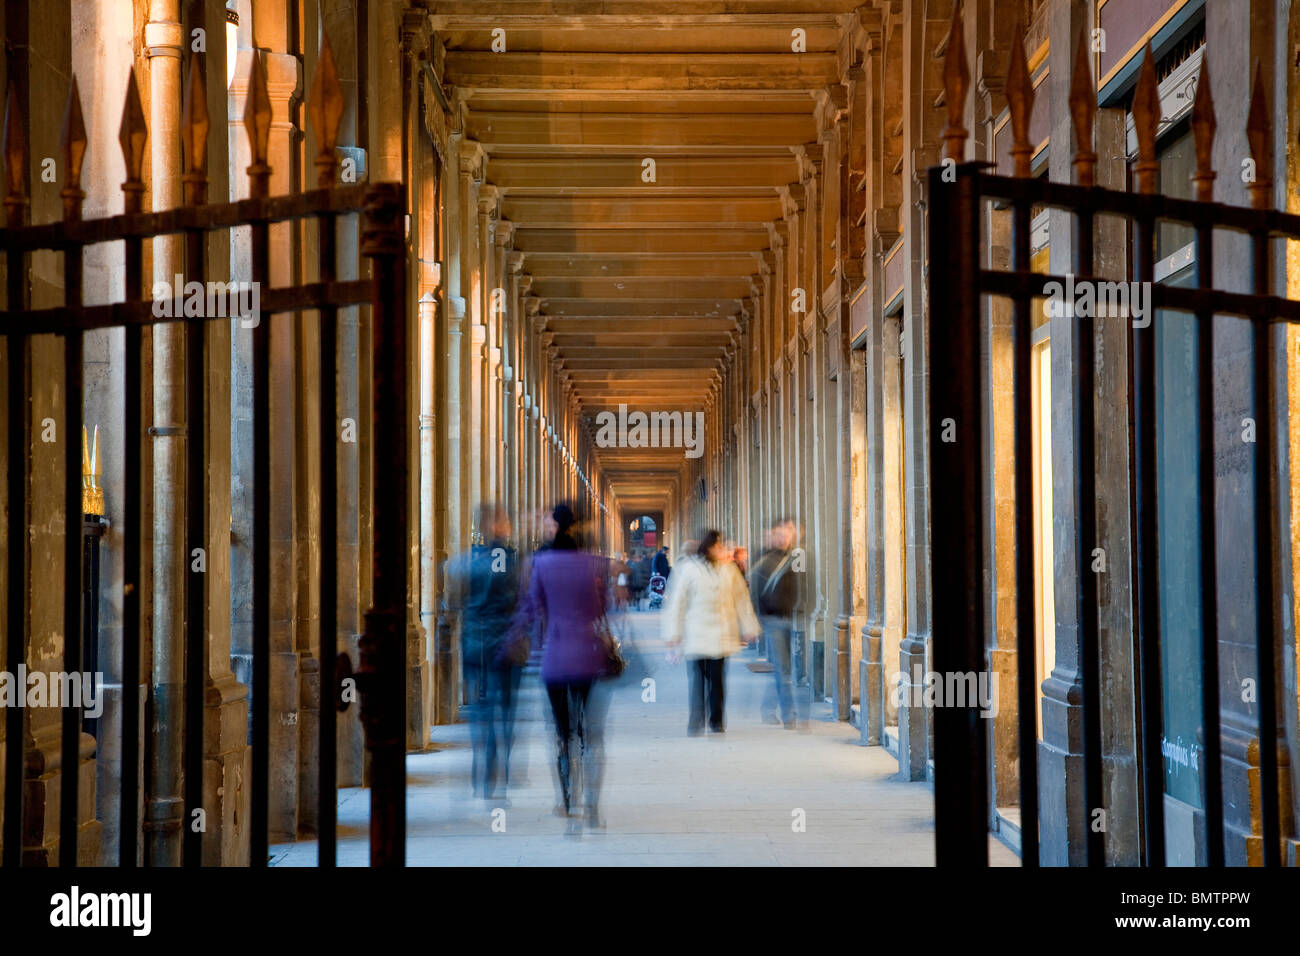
913 721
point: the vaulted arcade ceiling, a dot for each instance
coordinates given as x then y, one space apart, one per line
641 149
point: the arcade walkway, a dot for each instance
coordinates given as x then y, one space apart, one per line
669 799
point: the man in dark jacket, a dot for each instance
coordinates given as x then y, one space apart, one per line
774 586
491 654
661 565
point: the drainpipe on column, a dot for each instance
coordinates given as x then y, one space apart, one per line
163 36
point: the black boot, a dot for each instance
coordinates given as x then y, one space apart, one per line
562 768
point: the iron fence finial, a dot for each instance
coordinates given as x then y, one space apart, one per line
72 144
132 135
15 151
1203 130
956 81
1020 101
1146 121
194 134
257 120
325 109
1083 111
1259 132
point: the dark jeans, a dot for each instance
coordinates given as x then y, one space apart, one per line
492 694
776 630
706 677
578 710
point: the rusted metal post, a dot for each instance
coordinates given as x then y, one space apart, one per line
1259 134
382 675
132 134
957 628
15 154
73 144
1203 129
257 120
326 112
1020 100
1142 416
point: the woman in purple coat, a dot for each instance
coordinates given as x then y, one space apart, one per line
567 591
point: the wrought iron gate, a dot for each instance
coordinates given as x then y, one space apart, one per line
381 676
959 193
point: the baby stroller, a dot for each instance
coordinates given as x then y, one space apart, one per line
658 584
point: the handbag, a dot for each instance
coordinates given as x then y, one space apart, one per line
615 664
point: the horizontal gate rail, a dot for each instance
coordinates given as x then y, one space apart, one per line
959 195
239 212
381 676
57 320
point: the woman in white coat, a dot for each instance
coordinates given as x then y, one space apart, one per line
707 612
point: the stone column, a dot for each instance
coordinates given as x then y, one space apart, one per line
225 739
471 163
920 145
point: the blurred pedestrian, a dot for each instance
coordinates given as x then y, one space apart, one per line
567 592
492 653
707 614
621 574
775 586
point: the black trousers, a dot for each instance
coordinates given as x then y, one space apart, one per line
493 691
578 708
706 677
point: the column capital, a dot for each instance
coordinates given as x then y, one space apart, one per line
794 199
414 31
505 234
470 152
489 198
515 263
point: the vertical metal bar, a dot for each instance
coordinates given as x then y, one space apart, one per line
132 563
73 146
327 813
382 674
957 625
194 119
1142 411
257 120
17 607
133 138
1083 397
261 706
1026 599
1213 768
92 529
70 757
196 537
1265 510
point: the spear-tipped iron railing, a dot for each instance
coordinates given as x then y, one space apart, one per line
958 194
381 676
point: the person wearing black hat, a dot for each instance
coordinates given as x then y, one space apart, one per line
567 593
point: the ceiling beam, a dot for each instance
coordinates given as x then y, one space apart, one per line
645 72
542 265
637 212
641 287
674 307
608 172
650 241
623 130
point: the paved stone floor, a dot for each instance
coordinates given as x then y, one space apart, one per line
721 799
